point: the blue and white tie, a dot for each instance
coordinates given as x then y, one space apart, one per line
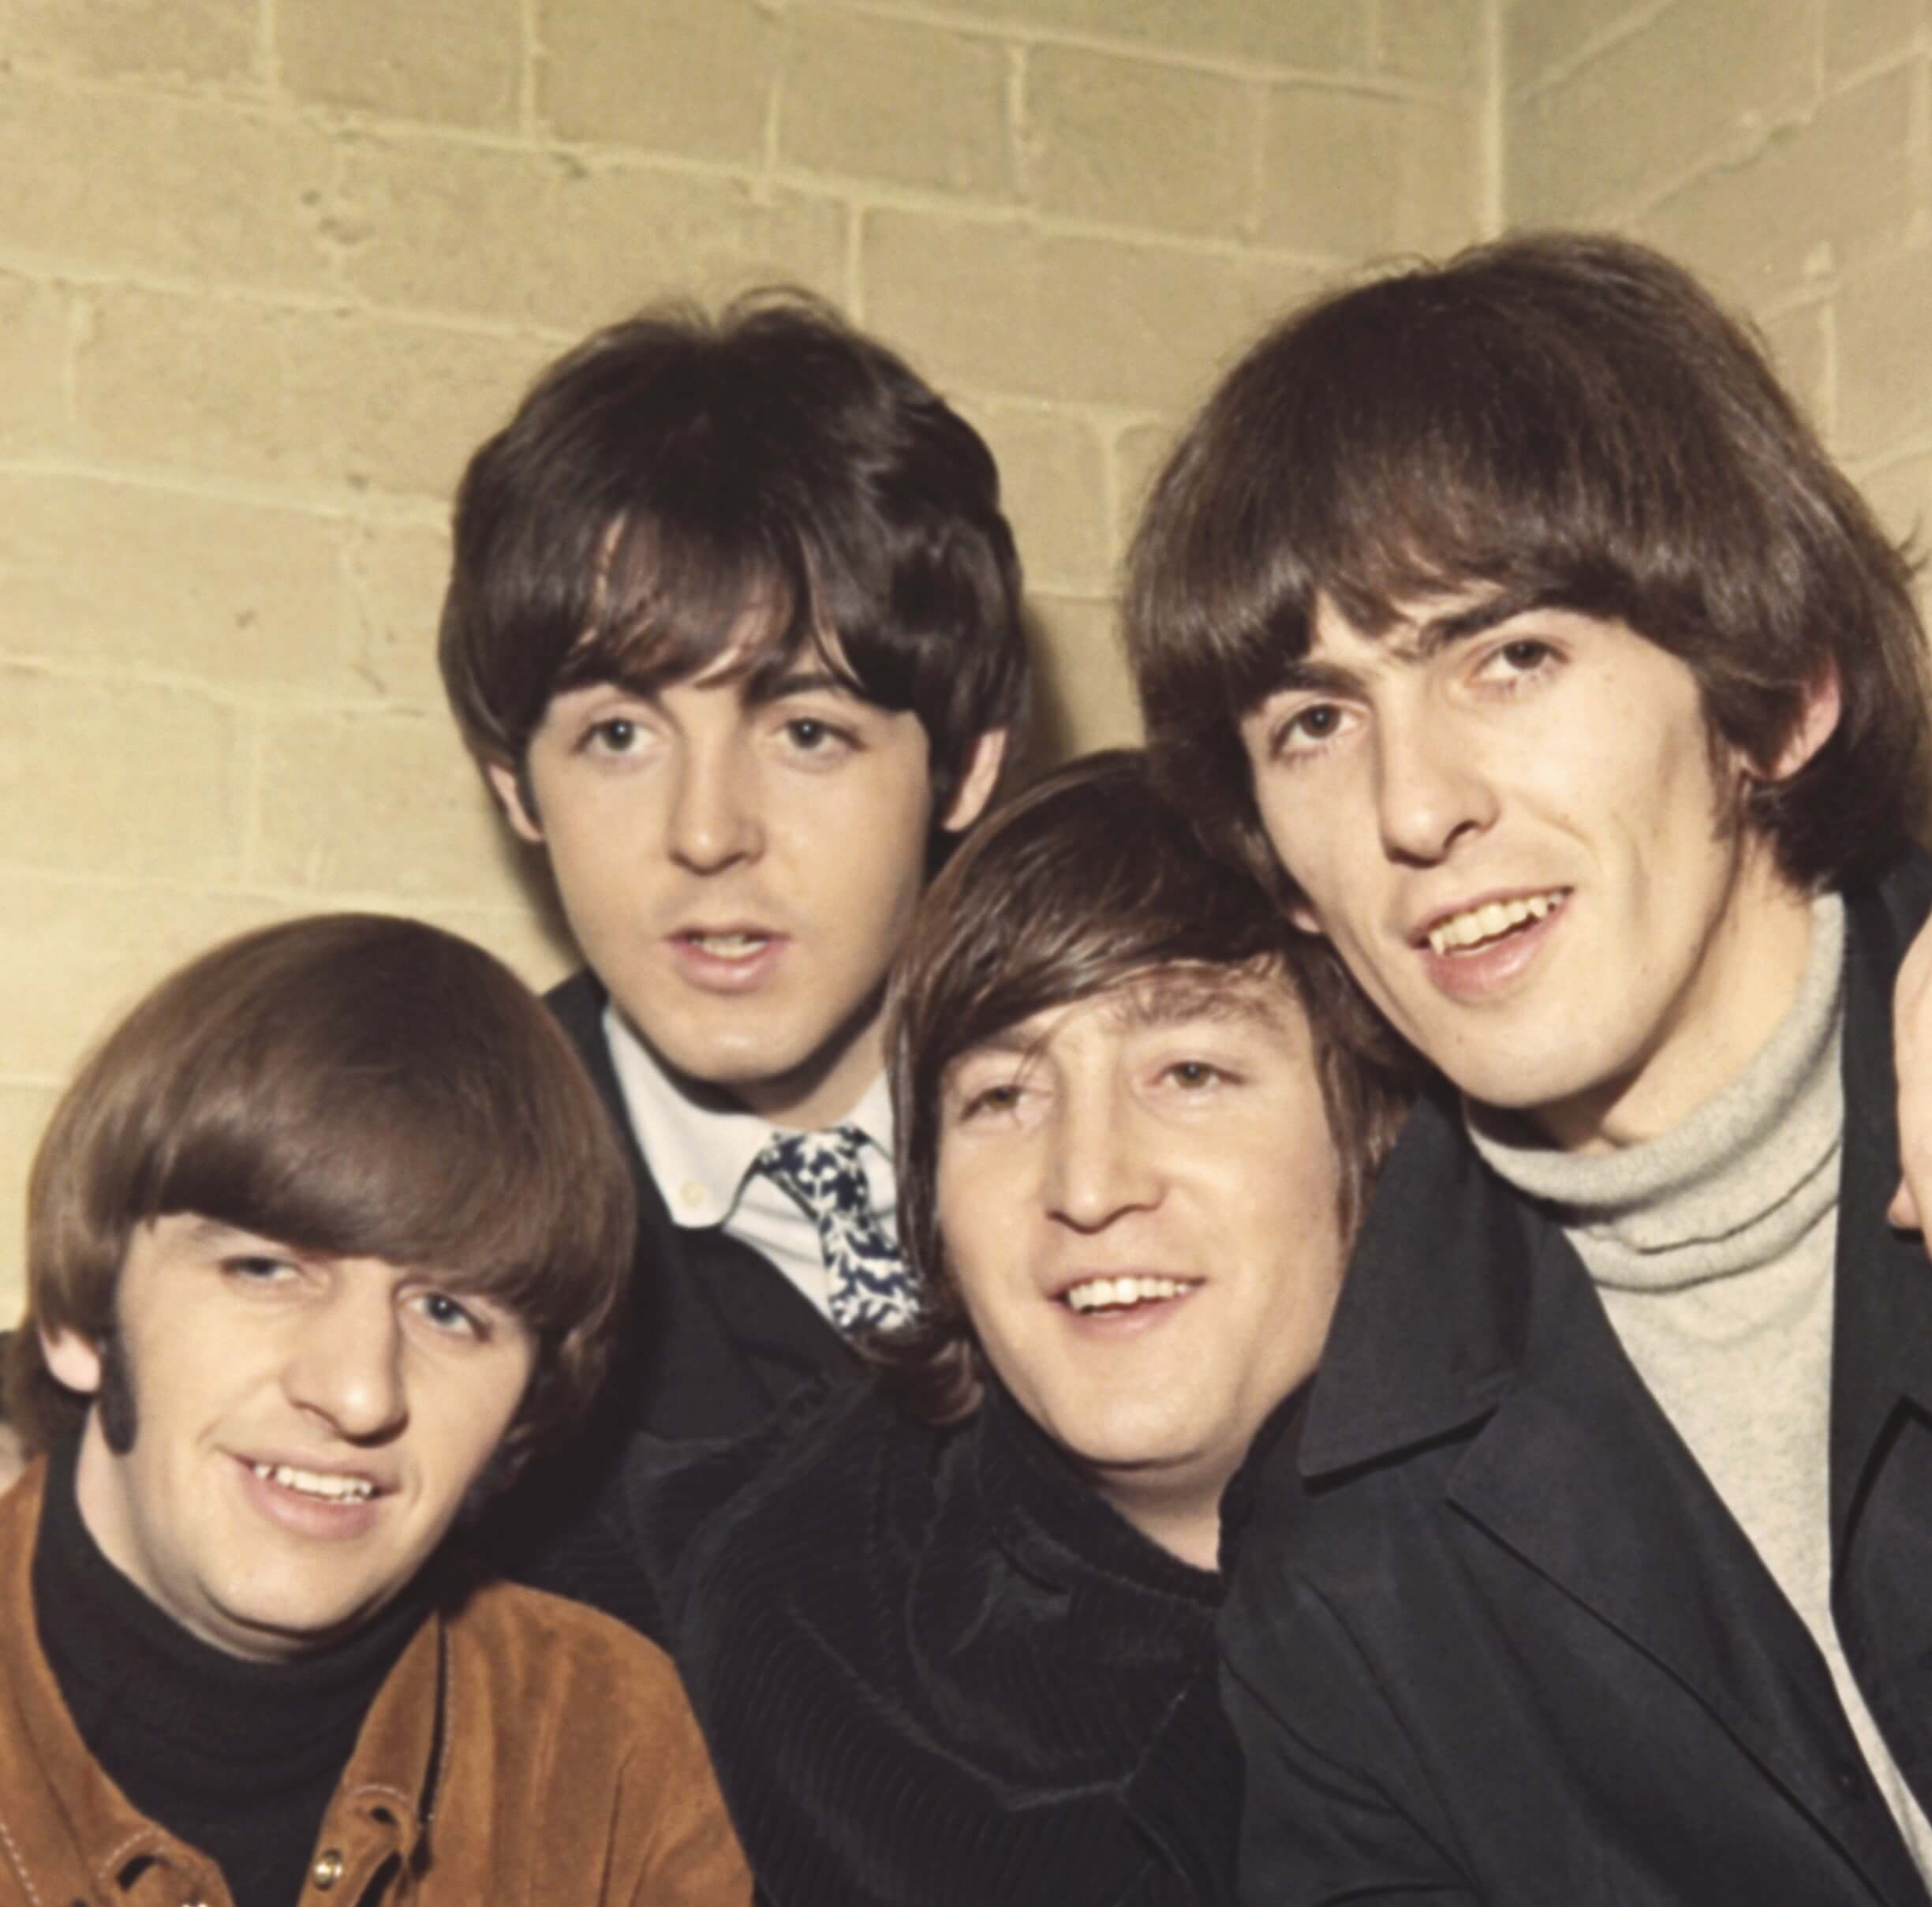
870 1287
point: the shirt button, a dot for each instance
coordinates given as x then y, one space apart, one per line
692 1193
327 1870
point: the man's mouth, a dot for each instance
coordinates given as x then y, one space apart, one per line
1476 927
737 943
328 1486
1122 1294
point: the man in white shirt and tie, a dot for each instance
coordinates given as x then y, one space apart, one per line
733 631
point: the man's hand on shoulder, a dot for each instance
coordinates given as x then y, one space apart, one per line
1911 1019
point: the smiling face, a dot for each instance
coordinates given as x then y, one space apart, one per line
305 1429
1138 1197
1522 840
739 869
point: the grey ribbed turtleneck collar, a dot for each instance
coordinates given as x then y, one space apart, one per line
1740 1181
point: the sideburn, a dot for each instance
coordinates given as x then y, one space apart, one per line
115 1398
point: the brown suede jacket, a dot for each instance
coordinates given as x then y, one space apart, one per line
524 1750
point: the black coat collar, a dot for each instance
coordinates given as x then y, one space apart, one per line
1470 1345
1459 1285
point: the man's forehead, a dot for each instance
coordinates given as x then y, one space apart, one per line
754 661
1190 990
1253 993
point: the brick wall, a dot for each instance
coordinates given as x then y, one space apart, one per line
269 268
1782 149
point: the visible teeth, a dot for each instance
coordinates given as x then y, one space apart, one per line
1492 917
316 1483
729 946
1097 1294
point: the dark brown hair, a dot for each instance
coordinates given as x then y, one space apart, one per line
1567 421
355 1085
673 475
1088 882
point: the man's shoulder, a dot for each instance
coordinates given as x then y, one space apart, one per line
515 1636
828 1500
575 1769
818 1461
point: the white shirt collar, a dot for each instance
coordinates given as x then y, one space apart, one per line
700 1153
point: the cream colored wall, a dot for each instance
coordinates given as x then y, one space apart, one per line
1783 150
269 269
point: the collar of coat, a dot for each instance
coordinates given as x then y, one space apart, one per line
1463 1294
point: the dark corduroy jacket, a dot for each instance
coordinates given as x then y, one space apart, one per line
1492 1636
932 1666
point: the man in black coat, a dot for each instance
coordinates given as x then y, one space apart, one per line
1508 616
733 631
950 1638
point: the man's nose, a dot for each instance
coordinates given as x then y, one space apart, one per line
1431 785
1100 1163
346 1365
714 819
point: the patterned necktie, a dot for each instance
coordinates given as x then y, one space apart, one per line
871 1290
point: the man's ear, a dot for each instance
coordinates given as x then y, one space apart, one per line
506 785
1302 916
976 785
1817 720
75 1361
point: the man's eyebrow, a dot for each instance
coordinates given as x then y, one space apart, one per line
1307 676
801 682
1226 994
1009 1042
1311 674
1442 632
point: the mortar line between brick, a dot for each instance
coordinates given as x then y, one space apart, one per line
1828 347
251 746
1739 151
526 71
1614 35
873 195
1494 214
267 66
375 508
1150 52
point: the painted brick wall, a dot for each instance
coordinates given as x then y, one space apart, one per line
1781 148
269 268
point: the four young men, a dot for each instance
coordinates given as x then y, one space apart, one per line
1506 622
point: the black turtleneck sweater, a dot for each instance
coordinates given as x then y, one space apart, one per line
931 1664
238 1759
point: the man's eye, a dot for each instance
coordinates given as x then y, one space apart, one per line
444 1312
810 736
618 736
1004 1097
1525 653
254 1268
1194 1074
1308 728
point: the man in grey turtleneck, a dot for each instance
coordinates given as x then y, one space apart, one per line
1509 616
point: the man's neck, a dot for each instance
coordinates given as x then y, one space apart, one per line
819 1093
1185 1521
1753 963
237 1758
